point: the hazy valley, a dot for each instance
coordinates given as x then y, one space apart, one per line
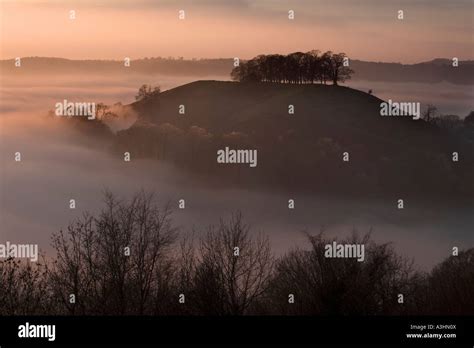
60 163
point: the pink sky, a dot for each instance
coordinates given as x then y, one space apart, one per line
364 29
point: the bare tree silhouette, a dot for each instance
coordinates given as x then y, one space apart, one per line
114 263
24 288
448 289
325 286
231 270
125 261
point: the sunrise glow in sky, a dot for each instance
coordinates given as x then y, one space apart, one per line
364 29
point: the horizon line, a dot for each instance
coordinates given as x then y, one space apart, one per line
213 58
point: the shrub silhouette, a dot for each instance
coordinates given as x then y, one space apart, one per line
343 286
448 290
146 91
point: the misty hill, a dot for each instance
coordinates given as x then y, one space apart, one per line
437 70
388 155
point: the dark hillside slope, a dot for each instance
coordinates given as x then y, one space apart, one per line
388 155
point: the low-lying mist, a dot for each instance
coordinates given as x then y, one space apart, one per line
58 164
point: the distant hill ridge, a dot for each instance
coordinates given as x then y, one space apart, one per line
437 70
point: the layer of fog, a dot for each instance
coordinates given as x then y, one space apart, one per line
450 99
55 168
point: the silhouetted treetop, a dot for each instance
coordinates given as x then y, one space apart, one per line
123 260
147 91
296 68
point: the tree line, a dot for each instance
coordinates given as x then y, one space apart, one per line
128 260
296 68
